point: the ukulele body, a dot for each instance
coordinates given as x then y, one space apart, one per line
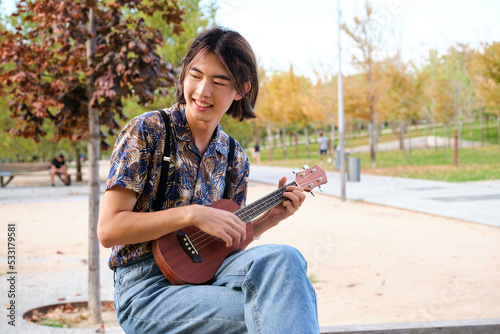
191 256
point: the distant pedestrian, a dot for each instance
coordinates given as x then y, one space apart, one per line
256 153
323 145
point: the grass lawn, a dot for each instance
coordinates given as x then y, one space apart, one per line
474 164
480 163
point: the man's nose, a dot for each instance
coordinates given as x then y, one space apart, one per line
204 88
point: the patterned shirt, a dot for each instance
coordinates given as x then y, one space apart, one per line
192 178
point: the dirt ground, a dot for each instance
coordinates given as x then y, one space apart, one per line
369 263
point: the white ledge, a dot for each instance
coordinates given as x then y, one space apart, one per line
477 326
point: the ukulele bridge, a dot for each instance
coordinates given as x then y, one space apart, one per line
188 246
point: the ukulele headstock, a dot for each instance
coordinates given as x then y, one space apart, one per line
310 178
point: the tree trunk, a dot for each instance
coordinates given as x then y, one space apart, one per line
283 142
78 165
481 126
308 149
296 139
445 146
371 131
472 133
434 131
409 145
461 133
276 138
93 151
469 105
487 127
448 136
401 135
498 128
270 141
76 148
332 138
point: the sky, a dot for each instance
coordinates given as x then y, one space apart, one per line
305 33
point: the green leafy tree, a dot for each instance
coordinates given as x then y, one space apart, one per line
458 61
264 110
367 39
405 95
283 100
325 92
74 68
197 18
487 77
442 92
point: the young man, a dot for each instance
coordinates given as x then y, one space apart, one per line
260 290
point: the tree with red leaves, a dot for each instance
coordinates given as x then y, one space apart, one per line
73 67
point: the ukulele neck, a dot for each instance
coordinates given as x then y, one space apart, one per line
253 210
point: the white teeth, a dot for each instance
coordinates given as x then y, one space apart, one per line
204 105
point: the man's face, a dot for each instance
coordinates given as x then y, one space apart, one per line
208 90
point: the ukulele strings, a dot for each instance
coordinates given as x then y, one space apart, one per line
200 244
256 206
208 238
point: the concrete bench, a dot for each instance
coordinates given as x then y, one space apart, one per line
8 170
479 326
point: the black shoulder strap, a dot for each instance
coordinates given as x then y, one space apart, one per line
162 188
230 158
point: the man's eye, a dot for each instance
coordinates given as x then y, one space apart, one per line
219 83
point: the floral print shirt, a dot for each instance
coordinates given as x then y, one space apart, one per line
192 178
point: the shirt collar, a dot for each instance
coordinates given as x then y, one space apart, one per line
183 132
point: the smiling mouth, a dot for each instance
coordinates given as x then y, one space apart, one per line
202 104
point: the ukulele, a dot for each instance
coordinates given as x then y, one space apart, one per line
191 256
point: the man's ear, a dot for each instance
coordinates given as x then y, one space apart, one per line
246 86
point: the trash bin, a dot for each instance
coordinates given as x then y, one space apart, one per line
353 169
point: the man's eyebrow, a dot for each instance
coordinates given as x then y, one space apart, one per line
219 76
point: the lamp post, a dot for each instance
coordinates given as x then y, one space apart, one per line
341 113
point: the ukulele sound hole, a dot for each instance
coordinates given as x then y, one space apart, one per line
188 246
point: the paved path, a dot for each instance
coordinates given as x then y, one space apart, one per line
477 202
42 288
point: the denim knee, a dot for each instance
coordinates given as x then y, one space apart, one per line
287 256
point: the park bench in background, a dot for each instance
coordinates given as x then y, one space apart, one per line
8 170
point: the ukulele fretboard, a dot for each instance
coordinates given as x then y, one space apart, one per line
251 211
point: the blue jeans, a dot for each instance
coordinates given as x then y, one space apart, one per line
264 289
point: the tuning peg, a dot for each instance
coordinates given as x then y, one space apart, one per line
296 171
320 189
313 194
306 167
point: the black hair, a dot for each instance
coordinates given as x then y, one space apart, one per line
236 55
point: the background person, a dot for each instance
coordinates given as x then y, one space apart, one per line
59 166
323 145
256 153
